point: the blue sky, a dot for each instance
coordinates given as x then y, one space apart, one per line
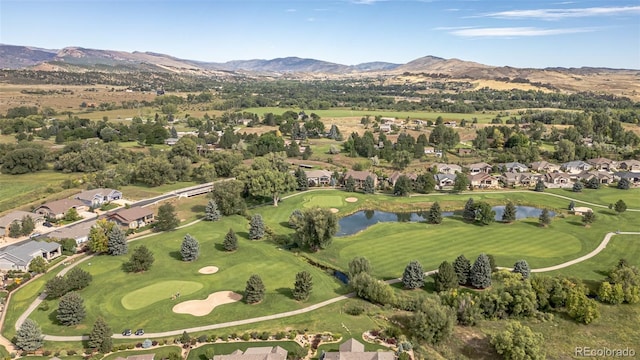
518 33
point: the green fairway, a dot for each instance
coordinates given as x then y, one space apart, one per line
604 196
321 200
159 291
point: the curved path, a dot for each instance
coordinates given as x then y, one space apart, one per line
37 302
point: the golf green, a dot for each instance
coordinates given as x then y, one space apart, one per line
159 291
323 201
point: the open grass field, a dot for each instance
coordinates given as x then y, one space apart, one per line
137 192
17 190
604 196
228 348
110 284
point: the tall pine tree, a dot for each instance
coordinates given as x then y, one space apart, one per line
302 286
254 292
230 241
509 214
190 249
413 275
435 214
256 227
480 273
117 243
446 278
100 336
211 212
462 267
469 212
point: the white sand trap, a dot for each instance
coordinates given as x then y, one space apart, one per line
208 270
334 210
351 199
204 307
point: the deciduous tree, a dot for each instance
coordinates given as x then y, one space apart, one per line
319 226
484 213
518 342
228 196
98 236
141 260
403 186
38 265
432 322
620 207
624 184
461 183
359 264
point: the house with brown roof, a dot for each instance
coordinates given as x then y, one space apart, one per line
481 167
319 177
96 197
544 167
629 165
132 218
560 179
360 177
602 176
464 152
15 217
256 353
602 164
352 349
396 175
483 181
520 179
58 209
447 168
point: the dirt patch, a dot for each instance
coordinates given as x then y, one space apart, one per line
334 210
208 270
204 307
351 199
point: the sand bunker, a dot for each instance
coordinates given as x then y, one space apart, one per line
334 210
351 199
208 270
204 307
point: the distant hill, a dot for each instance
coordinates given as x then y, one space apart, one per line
74 59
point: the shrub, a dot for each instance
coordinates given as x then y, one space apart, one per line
354 309
246 337
202 338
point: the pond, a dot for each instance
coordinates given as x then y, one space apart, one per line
361 220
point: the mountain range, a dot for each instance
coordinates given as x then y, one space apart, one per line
78 59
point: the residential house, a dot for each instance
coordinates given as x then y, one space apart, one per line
602 164
629 165
479 168
256 353
360 177
319 177
483 181
465 152
444 180
558 179
602 176
633 177
96 197
447 168
450 123
171 141
544 167
78 232
18 257
396 175
513 167
58 209
388 120
520 179
132 218
352 349
16 217
575 167
385 127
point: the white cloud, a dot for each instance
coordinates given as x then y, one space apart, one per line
557 14
511 32
365 2
291 10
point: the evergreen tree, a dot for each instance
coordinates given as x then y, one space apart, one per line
588 218
545 218
446 278
211 212
624 184
357 265
77 279
100 336
306 154
403 186
350 184
56 287
167 218
540 186
462 267
509 214
480 274
301 180
71 309
230 241
413 275
620 206
522 267
117 243
254 292
369 187
141 260
190 249
29 336
435 214
302 286
469 212
593 183
256 227
577 186
572 205
334 133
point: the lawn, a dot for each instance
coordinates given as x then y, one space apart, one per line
112 289
227 348
139 191
604 196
